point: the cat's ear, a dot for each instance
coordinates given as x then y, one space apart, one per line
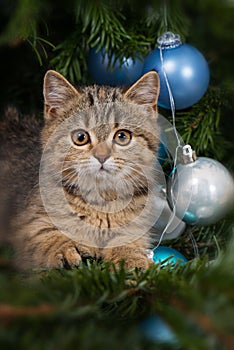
57 92
145 91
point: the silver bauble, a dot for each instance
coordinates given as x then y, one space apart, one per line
167 226
202 191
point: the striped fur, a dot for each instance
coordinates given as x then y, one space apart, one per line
95 200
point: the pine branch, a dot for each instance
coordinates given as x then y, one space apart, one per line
9 313
93 297
166 16
101 23
23 22
71 60
23 26
200 125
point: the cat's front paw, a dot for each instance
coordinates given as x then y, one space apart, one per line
139 262
68 256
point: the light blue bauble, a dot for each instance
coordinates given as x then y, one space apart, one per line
118 75
162 253
156 330
202 191
186 69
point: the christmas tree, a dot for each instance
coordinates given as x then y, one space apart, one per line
96 305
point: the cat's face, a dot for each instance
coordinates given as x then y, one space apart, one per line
102 139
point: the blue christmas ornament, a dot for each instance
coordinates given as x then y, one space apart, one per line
100 72
155 329
172 256
185 68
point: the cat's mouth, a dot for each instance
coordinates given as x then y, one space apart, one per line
103 169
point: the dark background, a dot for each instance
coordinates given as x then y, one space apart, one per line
210 29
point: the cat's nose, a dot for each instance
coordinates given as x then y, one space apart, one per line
102 158
102 152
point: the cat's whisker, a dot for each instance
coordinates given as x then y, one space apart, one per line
151 167
73 168
138 187
69 183
156 170
69 177
140 172
70 174
139 184
59 176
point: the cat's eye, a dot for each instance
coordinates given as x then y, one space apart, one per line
123 137
80 137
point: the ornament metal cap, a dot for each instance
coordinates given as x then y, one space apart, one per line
169 40
189 155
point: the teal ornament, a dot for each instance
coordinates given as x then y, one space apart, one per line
186 70
156 330
202 190
171 255
103 74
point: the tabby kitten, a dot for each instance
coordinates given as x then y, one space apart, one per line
94 195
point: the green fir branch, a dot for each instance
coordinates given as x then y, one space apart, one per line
71 60
98 304
101 25
23 26
166 16
38 45
23 22
200 125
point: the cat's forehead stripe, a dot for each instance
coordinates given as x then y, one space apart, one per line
99 94
102 132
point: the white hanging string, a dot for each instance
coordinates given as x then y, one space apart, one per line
179 146
174 40
172 103
165 13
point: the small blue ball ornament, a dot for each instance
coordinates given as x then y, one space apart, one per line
102 74
186 70
172 256
156 330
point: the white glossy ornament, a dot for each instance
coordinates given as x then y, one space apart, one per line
206 191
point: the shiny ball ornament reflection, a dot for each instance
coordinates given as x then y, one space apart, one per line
185 67
202 191
102 74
